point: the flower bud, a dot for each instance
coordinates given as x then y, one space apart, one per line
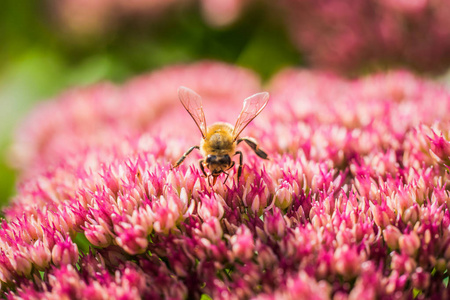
274 224
242 244
211 208
97 236
65 253
409 243
391 236
40 255
347 261
212 230
283 195
133 239
21 264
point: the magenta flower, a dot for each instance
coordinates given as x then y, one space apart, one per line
353 202
353 36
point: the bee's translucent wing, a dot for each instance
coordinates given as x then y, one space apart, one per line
253 105
193 104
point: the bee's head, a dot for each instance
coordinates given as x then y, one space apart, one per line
211 159
218 163
218 159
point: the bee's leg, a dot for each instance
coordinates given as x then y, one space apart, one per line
232 165
184 156
240 163
252 143
226 178
200 163
228 174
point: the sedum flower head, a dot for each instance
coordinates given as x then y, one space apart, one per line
353 202
352 36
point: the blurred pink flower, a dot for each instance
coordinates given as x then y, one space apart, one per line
222 12
354 36
91 18
353 202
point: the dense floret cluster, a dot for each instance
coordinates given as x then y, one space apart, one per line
352 204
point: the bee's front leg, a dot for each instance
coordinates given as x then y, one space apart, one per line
232 165
184 156
240 164
228 174
202 167
254 145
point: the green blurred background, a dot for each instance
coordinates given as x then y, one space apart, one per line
38 59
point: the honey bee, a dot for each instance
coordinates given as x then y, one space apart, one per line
219 140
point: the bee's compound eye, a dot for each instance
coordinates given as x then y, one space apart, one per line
226 160
210 158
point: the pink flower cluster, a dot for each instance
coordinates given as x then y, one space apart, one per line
346 36
354 36
353 203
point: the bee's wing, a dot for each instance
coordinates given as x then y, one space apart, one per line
253 105
193 104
